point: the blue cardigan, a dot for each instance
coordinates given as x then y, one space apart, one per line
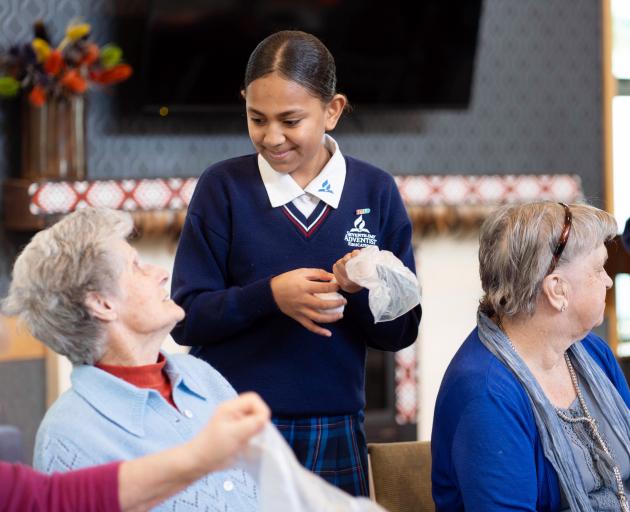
486 451
232 244
103 418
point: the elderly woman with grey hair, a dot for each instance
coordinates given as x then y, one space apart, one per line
533 411
81 288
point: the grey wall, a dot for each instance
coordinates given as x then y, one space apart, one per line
23 398
536 108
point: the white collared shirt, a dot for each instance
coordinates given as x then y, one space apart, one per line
327 186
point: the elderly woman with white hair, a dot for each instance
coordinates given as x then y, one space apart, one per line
81 288
533 411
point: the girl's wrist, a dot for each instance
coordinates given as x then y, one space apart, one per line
195 460
353 288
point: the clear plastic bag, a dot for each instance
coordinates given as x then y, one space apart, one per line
394 289
284 484
330 296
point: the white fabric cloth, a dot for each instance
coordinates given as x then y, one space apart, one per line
327 186
284 484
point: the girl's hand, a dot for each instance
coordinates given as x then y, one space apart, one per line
145 482
232 425
294 293
339 269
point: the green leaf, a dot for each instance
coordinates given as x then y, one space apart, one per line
9 86
110 55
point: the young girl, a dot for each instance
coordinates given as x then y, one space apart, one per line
263 233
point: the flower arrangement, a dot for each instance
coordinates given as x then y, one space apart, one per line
46 72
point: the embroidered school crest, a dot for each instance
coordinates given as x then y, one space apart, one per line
325 187
359 235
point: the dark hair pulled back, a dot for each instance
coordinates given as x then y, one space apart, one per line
296 56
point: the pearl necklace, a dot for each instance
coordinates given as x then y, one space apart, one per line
597 437
592 423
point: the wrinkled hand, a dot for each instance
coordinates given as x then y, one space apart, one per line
294 293
233 424
339 269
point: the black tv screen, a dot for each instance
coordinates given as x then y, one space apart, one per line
190 55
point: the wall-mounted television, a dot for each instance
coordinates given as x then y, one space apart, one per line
190 55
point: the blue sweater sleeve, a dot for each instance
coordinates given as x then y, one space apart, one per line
493 456
402 331
604 356
214 309
618 378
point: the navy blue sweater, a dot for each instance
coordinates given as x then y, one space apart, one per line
232 244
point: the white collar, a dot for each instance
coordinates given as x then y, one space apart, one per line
327 185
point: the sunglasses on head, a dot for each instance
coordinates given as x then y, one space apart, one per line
562 241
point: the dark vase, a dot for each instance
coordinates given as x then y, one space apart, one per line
53 139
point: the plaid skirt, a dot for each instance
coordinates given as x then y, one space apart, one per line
333 447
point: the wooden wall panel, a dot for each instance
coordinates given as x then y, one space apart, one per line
19 343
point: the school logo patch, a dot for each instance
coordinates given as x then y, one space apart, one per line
359 235
326 187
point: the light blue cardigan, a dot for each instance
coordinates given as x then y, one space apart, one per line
103 418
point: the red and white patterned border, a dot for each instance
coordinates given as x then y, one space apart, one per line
406 385
133 195
488 190
175 193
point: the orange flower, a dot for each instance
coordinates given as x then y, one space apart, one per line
42 71
37 96
74 82
53 63
91 54
112 75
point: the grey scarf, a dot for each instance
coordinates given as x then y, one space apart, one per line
555 443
